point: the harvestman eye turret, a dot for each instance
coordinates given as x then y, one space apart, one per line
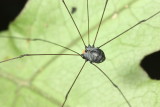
92 54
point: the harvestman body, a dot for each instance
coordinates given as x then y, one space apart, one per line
92 54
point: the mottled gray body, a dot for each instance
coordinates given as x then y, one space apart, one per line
94 55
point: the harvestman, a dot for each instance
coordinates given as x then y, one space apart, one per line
92 54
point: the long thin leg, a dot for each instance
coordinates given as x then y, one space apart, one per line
42 40
74 22
130 29
114 85
88 22
72 85
100 21
34 55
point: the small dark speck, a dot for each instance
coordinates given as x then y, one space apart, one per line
73 10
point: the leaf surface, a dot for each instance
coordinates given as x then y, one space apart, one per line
43 81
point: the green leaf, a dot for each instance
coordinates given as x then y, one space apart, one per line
43 81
